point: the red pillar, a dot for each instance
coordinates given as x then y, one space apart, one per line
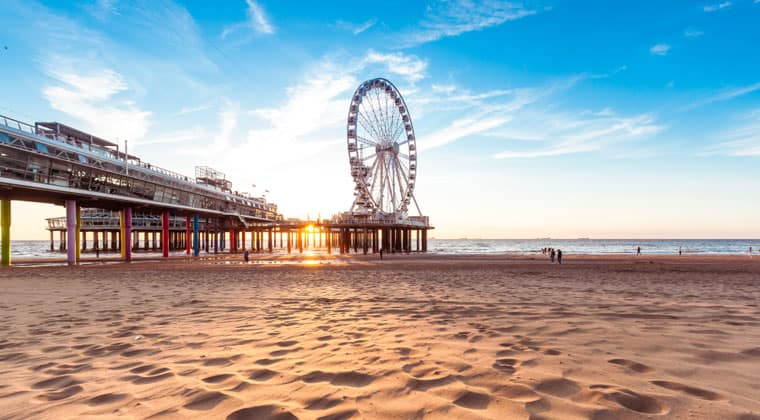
233 241
165 233
188 234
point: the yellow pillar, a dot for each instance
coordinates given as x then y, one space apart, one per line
5 235
122 236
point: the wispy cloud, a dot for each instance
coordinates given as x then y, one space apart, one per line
192 109
568 134
660 49
91 97
724 95
453 18
410 67
717 6
356 28
743 140
257 21
693 33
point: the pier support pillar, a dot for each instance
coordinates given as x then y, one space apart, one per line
424 240
196 238
165 234
5 226
187 235
77 233
71 228
122 235
126 246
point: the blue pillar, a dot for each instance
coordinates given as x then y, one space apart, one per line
196 239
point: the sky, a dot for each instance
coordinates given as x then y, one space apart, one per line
562 119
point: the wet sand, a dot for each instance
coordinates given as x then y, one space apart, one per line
427 336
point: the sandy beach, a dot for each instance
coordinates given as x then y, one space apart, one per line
413 336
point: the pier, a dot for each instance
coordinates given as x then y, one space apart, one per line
116 202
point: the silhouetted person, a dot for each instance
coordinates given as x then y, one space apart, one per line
551 255
97 252
245 256
638 251
680 251
559 256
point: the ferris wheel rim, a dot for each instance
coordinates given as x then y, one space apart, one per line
387 144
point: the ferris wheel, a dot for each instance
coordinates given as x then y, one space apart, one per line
382 149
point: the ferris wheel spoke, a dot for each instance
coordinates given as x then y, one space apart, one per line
388 179
389 111
368 126
399 172
369 157
366 141
384 111
404 155
375 123
398 130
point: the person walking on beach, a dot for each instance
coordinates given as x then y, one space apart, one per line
638 251
679 251
559 256
245 256
551 255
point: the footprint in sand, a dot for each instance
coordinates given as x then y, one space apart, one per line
351 378
322 403
152 373
473 400
558 387
216 379
270 412
636 402
340 415
693 391
206 401
630 364
105 399
262 375
58 387
505 365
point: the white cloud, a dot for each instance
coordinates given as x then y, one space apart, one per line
660 49
724 95
573 134
462 128
743 140
716 7
693 33
257 21
452 18
89 97
410 67
356 28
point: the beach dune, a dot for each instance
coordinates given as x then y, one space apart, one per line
408 337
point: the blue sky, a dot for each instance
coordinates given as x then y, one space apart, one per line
533 119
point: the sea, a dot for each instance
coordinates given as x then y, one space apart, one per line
41 249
